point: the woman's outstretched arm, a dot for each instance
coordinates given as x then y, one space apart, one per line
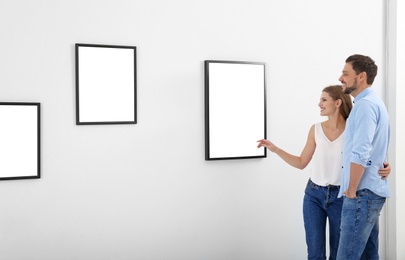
299 162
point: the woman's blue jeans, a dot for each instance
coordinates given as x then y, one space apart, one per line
321 204
360 228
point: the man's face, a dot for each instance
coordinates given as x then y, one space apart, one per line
349 79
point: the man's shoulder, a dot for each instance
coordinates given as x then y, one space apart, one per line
371 99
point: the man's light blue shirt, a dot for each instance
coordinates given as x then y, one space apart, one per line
367 137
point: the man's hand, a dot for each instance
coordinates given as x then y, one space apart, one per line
350 194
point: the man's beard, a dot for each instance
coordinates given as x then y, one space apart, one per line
349 90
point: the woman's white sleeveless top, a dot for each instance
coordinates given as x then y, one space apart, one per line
327 159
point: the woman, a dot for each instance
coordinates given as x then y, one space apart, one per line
324 147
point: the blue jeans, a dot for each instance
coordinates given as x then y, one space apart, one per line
359 227
321 204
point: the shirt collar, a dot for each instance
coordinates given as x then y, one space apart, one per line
364 93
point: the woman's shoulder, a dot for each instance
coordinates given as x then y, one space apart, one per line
319 124
313 128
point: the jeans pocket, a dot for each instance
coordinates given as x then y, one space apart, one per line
310 187
374 209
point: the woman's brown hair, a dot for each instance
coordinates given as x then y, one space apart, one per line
335 91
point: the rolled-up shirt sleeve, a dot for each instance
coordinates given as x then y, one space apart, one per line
363 134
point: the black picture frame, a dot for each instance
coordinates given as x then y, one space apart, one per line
106 84
20 140
235 109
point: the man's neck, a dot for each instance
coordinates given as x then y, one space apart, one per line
360 89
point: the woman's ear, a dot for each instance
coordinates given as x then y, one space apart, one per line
338 103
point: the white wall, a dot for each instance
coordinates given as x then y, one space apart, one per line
395 227
144 191
400 127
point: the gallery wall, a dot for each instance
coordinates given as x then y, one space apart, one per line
145 191
400 126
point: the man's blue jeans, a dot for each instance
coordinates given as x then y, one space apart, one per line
321 204
359 227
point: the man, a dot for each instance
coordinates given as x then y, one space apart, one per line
365 149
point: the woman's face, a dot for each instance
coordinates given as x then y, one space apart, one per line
327 105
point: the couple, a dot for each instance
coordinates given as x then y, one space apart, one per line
346 185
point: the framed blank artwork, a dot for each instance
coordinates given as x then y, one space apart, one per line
105 84
235 109
19 140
